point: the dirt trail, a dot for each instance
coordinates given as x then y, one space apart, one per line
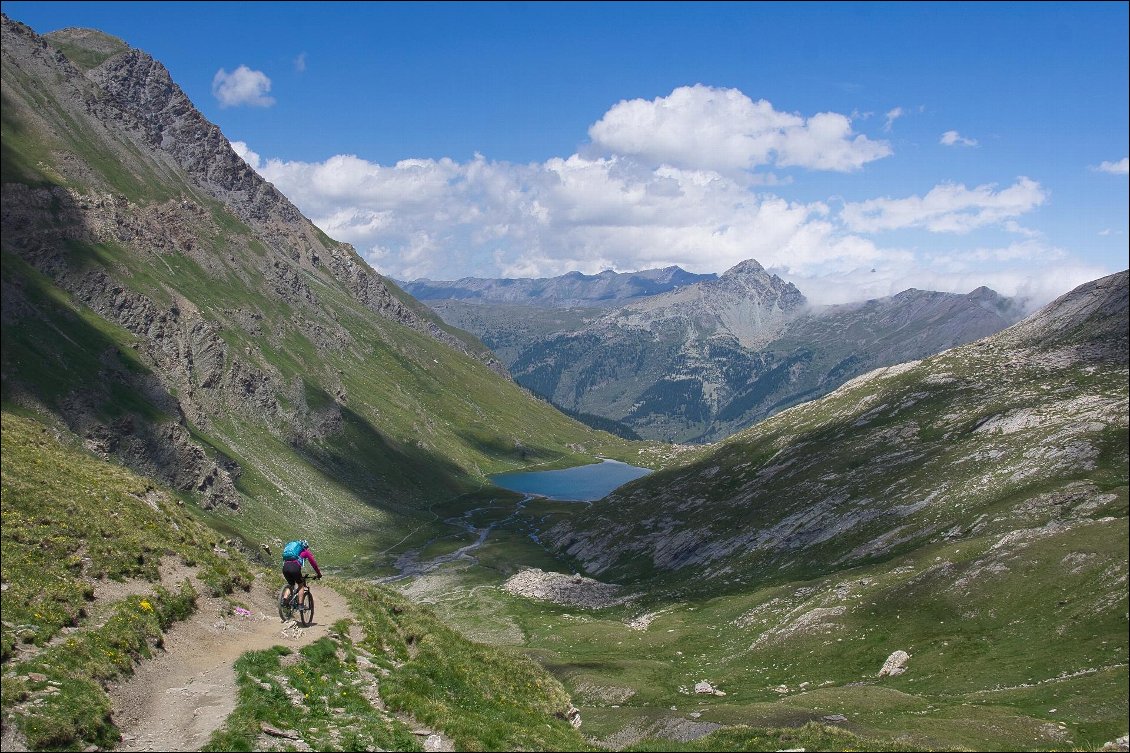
177 700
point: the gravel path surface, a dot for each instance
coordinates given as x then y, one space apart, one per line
176 701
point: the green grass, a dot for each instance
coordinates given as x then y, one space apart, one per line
991 662
84 55
592 653
318 696
811 736
57 699
480 697
484 698
72 521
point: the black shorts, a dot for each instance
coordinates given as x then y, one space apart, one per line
292 571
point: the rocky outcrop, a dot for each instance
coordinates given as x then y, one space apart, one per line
895 664
745 303
571 715
133 109
1090 321
141 98
568 590
704 687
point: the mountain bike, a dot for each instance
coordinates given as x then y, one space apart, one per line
288 604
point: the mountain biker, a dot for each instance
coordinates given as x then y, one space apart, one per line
294 553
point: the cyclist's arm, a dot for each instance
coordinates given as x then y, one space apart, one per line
310 558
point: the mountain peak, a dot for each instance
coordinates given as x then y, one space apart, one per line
750 279
747 267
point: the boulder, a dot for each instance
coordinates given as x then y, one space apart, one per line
895 664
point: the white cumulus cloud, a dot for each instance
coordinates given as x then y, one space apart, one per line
703 127
242 86
953 138
1121 167
655 191
443 219
946 208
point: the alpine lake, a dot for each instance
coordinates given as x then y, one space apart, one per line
583 483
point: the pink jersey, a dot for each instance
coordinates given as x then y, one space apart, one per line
306 555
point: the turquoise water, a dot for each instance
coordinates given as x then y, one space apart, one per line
581 484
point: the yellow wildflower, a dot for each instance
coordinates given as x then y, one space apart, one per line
145 606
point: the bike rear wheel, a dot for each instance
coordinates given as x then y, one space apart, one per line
285 611
306 609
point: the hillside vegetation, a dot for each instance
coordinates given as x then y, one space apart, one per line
75 526
173 309
87 547
967 513
933 556
969 510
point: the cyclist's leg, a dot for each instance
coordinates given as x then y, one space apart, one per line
293 577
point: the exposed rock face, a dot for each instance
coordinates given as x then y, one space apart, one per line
141 98
746 303
706 359
128 127
131 101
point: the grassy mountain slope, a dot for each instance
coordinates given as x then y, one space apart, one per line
179 314
72 525
77 527
969 509
1025 427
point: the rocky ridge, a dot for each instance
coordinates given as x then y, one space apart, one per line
708 359
605 290
179 191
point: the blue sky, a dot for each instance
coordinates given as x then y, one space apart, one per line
855 149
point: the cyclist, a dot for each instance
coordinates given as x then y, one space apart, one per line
293 555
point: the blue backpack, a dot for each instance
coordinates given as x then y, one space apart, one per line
292 550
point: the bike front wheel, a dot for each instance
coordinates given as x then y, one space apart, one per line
306 609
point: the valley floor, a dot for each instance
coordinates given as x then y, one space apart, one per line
797 654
